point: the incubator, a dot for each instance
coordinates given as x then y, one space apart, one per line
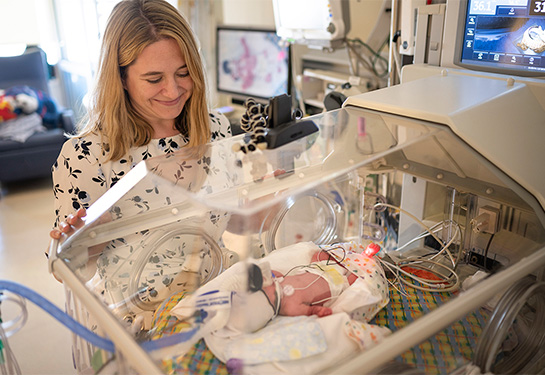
410 215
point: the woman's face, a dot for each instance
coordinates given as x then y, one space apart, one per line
158 84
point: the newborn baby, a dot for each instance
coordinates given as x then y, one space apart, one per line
312 281
308 289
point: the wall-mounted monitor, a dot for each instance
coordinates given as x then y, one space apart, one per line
322 23
251 63
499 36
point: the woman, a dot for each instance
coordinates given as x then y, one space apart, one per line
149 100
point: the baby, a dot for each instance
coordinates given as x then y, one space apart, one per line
320 281
308 289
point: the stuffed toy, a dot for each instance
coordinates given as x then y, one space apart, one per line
24 100
25 104
7 110
12 106
254 122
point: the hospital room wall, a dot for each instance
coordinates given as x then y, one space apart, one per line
204 16
364 16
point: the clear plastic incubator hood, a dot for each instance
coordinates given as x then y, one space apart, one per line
382 242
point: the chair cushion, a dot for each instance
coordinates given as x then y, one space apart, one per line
50 137
28 69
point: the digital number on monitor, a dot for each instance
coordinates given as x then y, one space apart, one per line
505 35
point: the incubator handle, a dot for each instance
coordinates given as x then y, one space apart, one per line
51 254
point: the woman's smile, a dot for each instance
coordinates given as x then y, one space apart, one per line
159 85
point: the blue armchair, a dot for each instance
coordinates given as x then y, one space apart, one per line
34 157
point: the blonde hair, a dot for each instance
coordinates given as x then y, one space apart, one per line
132 26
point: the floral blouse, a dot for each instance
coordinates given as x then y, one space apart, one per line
80 177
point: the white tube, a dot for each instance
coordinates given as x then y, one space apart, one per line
124 342
438 319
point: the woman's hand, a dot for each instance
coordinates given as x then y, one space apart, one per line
73 222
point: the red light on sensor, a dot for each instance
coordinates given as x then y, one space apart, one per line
372 249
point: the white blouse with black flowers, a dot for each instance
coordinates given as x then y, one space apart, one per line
80 177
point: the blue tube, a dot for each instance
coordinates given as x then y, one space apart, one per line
169 340
81 330
57 313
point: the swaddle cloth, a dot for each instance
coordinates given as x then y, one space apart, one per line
285 339
369 293
330 338
359 301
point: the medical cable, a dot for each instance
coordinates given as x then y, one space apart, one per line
444 248
446 283
374 58
13 326
435 228
8 362
400 289
428 229
83 331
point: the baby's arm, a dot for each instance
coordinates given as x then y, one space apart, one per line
301 294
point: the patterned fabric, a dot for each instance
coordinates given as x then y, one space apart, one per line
165 324
364 334
442 354
199 360
446 351
300 338
81 176
350 256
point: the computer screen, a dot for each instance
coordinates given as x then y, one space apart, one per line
251 63
503 36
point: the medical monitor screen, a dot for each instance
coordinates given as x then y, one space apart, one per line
252 63
505 36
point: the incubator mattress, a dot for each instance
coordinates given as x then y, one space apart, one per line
442 354
199 360
446 351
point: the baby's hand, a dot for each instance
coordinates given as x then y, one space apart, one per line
321 311
73 222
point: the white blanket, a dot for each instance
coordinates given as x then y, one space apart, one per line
21 128
302 344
